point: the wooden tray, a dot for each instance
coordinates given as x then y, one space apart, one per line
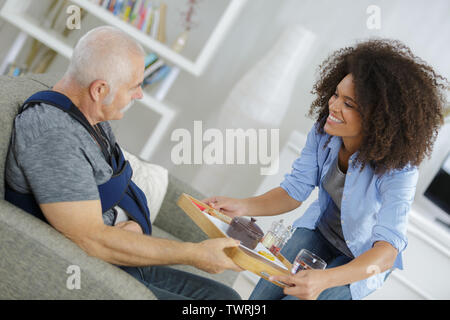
245 258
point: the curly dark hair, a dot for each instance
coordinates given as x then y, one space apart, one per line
401 100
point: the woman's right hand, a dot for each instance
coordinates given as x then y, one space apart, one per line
232 207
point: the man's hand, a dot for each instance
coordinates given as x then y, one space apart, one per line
230 206
210 256
305 285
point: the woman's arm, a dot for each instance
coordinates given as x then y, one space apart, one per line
308 284
376 260
273 202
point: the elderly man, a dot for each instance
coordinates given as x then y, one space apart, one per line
65 167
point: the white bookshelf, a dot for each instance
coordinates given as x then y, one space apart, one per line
195 67
15 12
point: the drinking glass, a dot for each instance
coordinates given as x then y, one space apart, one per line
307 260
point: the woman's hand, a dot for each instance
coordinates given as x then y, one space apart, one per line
305 285
230 206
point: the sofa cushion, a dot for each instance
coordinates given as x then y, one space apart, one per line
151 179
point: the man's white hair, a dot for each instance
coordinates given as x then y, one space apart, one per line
104 53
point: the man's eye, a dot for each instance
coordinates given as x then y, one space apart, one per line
349 106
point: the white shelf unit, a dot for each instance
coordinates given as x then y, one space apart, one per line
194 67
14 12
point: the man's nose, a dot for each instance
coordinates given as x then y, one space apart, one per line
140 93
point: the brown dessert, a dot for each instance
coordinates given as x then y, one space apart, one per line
245 230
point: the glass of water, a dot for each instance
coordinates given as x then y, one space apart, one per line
307 260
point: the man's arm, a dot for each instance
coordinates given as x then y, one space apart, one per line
81 221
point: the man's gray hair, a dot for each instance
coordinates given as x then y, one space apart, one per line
104 53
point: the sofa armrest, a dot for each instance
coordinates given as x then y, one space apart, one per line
35 261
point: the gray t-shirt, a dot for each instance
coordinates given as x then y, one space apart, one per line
54 157
330 222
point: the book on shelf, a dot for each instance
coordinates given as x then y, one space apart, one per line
150 59
158 75
144 15
156 69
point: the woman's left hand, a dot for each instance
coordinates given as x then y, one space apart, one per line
305 284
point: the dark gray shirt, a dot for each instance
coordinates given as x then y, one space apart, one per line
54 157
330 222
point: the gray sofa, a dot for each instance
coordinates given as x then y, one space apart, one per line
35 258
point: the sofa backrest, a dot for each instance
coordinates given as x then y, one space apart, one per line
13 92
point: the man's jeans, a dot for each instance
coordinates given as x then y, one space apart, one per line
170 284
313 241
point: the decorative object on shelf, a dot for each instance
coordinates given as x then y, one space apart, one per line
188 22
181 41
259 100
264 92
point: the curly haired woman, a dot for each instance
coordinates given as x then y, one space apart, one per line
378 111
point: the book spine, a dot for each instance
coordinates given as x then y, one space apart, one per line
150 59
118 7
155 24
134 12
111 6
160 74
154 67
162 23
105 4
150 18
127 12
142 14
148 12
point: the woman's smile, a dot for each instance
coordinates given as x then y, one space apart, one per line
334 120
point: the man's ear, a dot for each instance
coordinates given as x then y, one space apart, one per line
98 90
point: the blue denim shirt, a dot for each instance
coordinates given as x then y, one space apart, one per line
374 208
